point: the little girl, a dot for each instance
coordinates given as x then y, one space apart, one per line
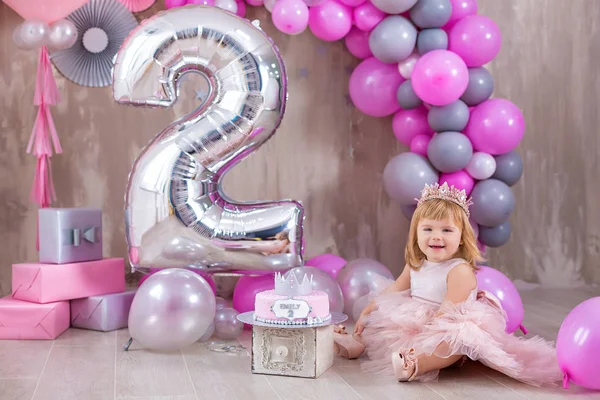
433 316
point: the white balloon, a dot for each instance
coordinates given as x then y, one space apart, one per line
269 4
481 166
229 5
407 66
62 35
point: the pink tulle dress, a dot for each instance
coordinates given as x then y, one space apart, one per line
473 328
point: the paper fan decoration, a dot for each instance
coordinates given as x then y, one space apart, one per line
137 5
102 26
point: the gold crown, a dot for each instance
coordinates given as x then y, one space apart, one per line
446 192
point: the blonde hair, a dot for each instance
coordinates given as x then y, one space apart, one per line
438 209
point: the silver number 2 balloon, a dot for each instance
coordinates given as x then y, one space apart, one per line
176 212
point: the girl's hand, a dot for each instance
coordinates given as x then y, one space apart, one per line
360 325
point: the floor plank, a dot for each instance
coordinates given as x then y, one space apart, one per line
17 389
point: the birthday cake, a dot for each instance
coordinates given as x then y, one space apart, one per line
292 302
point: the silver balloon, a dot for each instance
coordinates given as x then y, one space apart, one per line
209 333
451 117
172 309
509 168
394 6
495 236
393 39
493 202
62 35
269 4
322 281
360 277
227 326
432 39
31 34
405 175
221 303
450 151
407 98
174 190
431 13
480 87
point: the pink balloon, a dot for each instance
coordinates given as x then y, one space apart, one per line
241 8
174 3
330 21
476 39
201 2
357 42
495 282
47 11
460 9
496 126
246 289
290 16
440 77
367 16
578 345
329 263
419 144
410 123
459 179
374 86
352 3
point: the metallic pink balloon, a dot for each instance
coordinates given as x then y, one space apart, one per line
172 309
374 87
63 34
227 326
498 284
360 277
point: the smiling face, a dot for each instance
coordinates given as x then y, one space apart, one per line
438 239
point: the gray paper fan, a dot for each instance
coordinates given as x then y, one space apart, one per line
102 26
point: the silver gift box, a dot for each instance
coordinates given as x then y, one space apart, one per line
104 313
303 352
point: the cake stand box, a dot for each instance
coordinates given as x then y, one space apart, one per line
304 351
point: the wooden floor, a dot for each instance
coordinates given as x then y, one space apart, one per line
83 365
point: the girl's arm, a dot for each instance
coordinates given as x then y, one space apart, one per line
401 284
460 282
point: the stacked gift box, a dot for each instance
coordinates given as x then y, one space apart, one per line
71 285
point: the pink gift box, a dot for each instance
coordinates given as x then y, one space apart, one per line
23 320
47 283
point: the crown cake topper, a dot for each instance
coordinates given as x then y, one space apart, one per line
290 285
446 192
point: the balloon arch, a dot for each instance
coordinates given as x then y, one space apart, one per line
423 63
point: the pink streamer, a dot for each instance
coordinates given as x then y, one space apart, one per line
44 135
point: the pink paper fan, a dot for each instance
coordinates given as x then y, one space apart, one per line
137 5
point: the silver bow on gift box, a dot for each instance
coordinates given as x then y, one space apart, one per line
176 212
76 235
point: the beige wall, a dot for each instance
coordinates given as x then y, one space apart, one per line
549 65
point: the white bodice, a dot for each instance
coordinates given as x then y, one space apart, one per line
429 283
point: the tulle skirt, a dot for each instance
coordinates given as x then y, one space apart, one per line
474 328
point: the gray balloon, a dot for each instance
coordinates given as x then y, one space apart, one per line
432 39
393 40
408 211
360 277
450 151
509 168
480 87
405 175
227 326
394 6
493 202
407 98
451 117
431 13
496 236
